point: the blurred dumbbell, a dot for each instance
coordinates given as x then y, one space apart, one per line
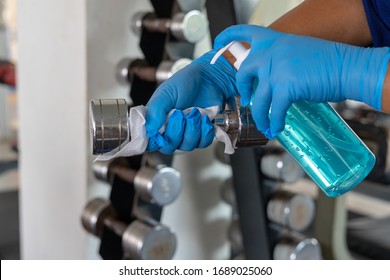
140 240
295 246
289 246
127 68
281 166
291 210
160 185
190 27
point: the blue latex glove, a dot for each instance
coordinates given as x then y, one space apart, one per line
197 85
288 68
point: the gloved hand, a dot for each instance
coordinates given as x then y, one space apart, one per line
286 68
199 84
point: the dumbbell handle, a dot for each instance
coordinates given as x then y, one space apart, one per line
160 185
127 68
161 25
191 26
116 226
125 173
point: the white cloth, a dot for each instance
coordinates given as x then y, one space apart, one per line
138 143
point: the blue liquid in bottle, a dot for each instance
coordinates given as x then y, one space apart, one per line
325 147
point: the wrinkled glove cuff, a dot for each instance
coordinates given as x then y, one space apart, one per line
364 72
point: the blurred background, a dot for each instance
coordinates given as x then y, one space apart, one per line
56 202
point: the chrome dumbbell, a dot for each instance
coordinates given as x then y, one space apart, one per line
127 68
289 245
296 246
292 210
140 240
282 167
190 27
110 125
159 184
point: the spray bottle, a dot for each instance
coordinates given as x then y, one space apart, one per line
315 135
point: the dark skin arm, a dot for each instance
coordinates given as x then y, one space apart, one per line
335 20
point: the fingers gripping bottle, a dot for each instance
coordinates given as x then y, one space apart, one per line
322 143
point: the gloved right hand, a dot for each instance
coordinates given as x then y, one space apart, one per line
199 84
290 68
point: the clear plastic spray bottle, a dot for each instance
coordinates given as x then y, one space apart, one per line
322 143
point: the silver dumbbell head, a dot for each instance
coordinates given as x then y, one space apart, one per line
297 247
122 73
161 186
190 27
141 241
292 210
94 214
109 124
136 22
128 68
281 167
101 170
167 68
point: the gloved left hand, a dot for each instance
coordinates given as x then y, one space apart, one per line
199 84
289 68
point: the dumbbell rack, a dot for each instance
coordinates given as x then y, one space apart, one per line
258 235
247 180
155 47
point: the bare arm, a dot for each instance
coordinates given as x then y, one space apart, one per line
386 93
336 20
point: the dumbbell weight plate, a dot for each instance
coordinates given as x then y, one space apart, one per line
141 241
